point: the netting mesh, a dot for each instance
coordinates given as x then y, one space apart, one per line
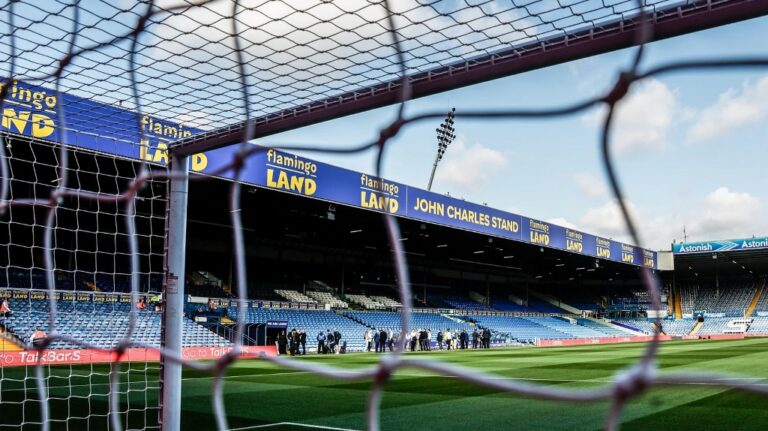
212 64
293 53
79 394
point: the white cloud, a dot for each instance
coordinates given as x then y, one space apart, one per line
642 120
732 110
296 52
721 214
560 221
589 185
608 221
197 119
469 169
728 214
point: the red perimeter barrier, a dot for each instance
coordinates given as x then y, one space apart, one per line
714 337
87 356
604 340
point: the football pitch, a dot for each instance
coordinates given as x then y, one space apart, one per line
262 396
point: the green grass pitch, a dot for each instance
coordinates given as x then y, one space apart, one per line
259 395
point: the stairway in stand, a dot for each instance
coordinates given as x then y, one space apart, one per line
696 328
755 299
7 346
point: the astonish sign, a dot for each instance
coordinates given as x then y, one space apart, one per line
720 246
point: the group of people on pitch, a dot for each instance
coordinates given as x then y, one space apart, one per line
421 339
293 343
481 339
329 342
381 340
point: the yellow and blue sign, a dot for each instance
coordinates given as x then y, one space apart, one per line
33 111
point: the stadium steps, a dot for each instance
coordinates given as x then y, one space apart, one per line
352 318
755 299
454 318
696 328
671 302
480 299
612 326
7 346
656 329
554 301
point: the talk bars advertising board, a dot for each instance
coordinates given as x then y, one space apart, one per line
33 111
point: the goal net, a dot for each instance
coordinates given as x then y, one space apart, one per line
91 271
110 109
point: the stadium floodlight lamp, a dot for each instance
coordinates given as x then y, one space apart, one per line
445 135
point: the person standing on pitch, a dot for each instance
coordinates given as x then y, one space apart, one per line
337 338
282 342
475 336
303 341
382 341
320 342
376 339
440 340
330 341
368 339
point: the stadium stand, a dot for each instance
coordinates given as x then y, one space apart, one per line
732 298
458 303
367 302
762 303
714 325
641 324
506 305
311 321
564 326
519 328
295 296
101 325
636 300
607 329
677 327
759 325
391 320
386 301
533 306
327 298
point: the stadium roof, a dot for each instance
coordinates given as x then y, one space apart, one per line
306 236
746 256
739 263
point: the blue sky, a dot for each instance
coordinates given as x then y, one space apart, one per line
691 148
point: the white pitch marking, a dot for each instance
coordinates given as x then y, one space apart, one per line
294 424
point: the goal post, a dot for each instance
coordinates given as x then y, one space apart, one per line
176 239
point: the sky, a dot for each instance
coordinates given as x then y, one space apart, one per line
691 148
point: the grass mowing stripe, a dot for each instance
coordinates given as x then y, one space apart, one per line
259 393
